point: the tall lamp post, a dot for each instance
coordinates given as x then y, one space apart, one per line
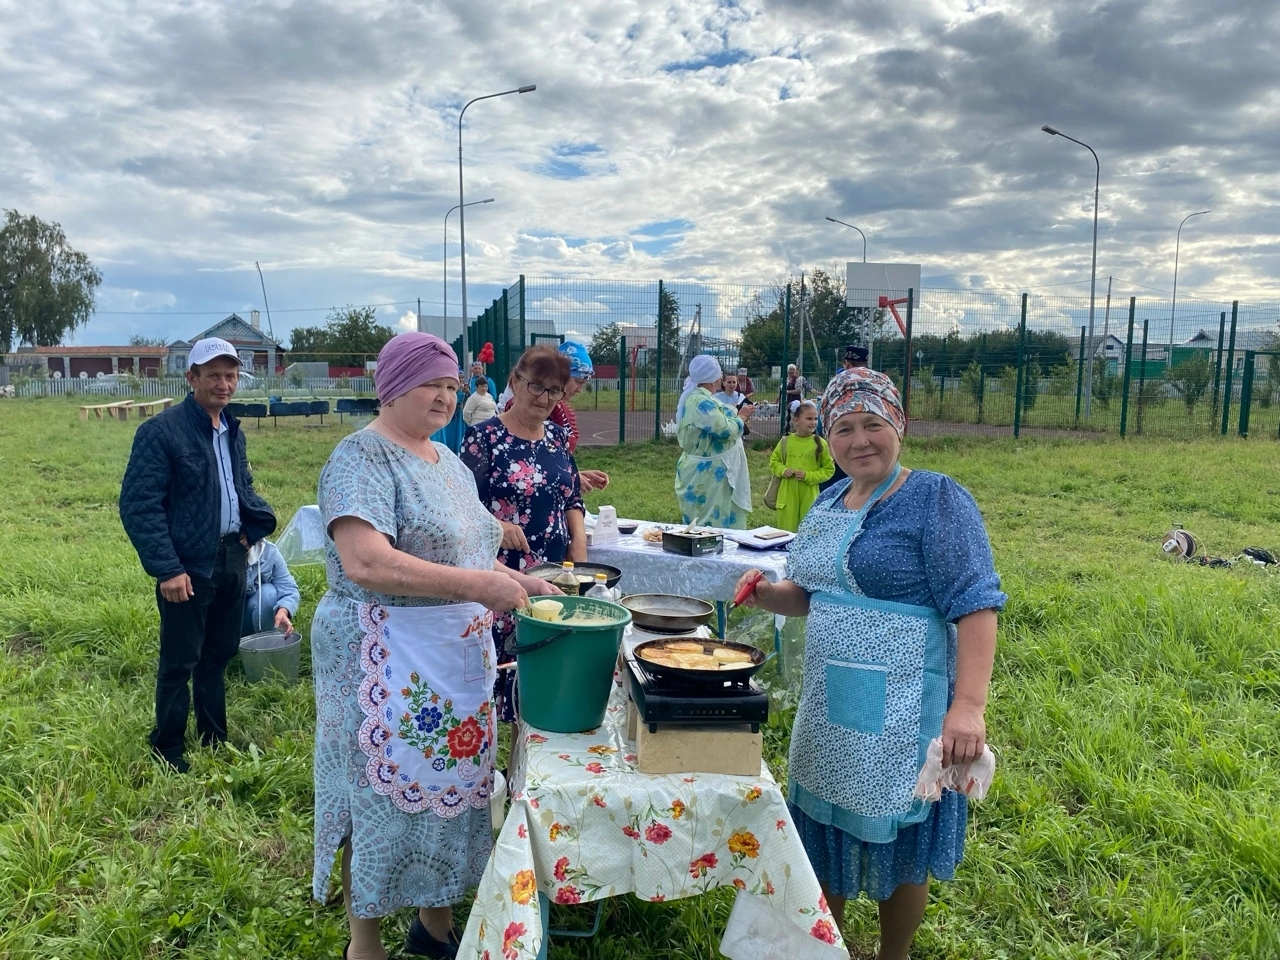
1093 269
462 205
852 227
867 314
1177 248
444 264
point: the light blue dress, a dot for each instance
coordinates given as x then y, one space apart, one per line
432 512
707 433
925 546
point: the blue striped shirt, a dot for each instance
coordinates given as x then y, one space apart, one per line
228 501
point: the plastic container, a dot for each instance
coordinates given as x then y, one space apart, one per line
566 579
565 670
600 589
271 655
498 802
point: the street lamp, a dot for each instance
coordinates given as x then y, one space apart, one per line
462 203
852 227
1093 269
444 264
867 313
1174 306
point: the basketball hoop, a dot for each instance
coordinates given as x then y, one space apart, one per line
893 308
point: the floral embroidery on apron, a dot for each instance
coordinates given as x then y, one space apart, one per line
429 732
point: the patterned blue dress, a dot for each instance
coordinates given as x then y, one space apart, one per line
707 433
533 484
431 512
925 545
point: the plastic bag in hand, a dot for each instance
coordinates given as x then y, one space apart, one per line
973 779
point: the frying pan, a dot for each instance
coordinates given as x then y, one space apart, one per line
548 571
666 612
709 678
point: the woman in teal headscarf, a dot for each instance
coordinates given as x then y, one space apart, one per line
712 482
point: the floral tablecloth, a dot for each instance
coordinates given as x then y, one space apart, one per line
647 568
585 824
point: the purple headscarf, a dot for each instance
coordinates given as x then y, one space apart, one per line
411 359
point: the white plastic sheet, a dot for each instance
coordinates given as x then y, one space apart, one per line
303 539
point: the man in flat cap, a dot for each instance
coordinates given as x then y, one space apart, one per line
854 356
188 505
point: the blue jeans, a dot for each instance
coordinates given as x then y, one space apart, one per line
252 624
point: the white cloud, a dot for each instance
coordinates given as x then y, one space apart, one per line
553 305
179 143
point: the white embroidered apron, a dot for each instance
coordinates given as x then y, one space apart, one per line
429 731
875 686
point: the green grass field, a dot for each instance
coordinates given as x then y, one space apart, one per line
1135 709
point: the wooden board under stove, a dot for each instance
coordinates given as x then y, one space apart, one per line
695 748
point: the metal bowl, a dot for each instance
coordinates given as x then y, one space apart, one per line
548 571
663 611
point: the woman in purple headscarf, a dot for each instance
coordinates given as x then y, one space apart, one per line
893 569
403 661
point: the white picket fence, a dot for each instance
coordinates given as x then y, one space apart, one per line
177 387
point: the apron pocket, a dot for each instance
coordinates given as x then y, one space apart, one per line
856 694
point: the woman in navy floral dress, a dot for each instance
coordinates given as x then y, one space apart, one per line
527 478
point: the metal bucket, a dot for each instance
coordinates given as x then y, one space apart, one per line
271 655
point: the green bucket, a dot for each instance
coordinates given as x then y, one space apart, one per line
564 681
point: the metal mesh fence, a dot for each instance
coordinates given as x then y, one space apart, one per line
967 360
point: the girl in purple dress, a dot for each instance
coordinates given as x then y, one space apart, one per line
527 478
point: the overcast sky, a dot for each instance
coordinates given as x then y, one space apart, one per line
178 142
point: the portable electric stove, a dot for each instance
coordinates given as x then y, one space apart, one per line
671 703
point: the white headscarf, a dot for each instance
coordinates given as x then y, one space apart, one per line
702 369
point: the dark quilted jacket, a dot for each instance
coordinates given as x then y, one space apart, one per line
169 497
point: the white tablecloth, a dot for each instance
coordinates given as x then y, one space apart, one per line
584 824
647 568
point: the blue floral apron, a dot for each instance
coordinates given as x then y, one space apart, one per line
875 686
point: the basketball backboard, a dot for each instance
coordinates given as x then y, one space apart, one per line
866 283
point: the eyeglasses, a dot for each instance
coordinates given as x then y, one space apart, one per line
537 389
582 381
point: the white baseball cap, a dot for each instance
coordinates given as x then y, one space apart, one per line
202 351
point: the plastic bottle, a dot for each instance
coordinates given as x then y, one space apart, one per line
600 589
567 580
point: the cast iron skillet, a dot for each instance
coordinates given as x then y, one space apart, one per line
708 678
666 612
548 571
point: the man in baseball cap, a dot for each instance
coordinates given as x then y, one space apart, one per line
202 351
188 504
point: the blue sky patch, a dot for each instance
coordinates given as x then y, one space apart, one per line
565 165
721 58
663 228
657 246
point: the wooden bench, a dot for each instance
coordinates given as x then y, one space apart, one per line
119 410
147 408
